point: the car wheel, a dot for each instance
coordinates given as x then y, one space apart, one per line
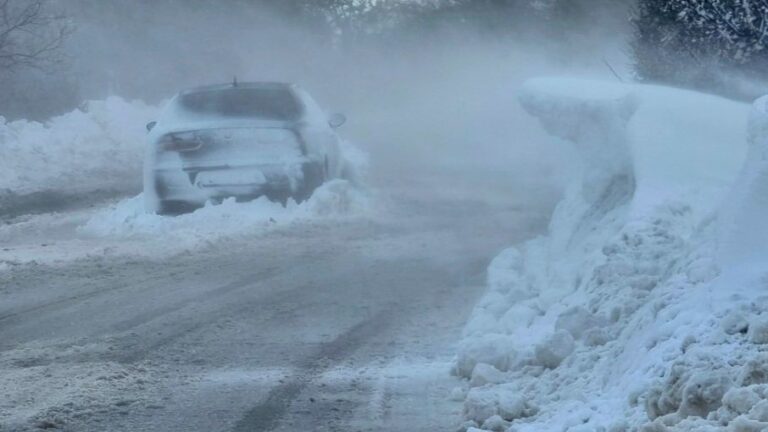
314 176
175 208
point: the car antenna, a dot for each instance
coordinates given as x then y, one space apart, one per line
234 81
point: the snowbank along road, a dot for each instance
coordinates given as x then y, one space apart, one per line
315 324
643 308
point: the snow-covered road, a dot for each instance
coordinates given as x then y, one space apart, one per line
323 325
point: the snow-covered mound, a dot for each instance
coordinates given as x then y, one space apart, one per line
97 147
645 307
129 220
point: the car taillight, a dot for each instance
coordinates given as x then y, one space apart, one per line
180 142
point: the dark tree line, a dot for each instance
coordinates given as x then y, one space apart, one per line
30 34
495 18
714 45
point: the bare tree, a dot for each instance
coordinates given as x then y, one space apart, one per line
30 35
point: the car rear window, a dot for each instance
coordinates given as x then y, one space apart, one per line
266 103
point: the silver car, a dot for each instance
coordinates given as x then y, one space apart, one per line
241 140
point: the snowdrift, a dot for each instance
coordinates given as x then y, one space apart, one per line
128 220
97 147
645 307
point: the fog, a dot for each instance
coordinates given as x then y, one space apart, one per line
417 98
186 298
237 266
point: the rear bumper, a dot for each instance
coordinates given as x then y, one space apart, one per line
197 185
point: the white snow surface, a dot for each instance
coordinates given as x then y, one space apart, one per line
128 219
97 147
125 229
645 307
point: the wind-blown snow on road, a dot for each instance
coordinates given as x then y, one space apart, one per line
340 322
644 306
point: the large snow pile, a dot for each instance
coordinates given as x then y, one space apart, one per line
645 308
337 199
97 147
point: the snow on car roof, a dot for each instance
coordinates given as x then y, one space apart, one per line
250 85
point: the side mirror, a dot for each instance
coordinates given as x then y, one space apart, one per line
336 120
151 125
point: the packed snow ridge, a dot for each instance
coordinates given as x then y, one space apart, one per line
645 307
128 219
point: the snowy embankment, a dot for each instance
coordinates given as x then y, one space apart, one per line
645 307
129 220
98 147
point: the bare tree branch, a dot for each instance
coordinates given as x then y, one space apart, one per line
30 36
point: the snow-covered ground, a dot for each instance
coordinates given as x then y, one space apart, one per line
644 307
124 228
337 323
128 218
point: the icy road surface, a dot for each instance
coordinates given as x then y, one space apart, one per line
317 326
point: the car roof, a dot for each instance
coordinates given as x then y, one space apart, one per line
245 85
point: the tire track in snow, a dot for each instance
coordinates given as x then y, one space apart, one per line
179 329
243 282
267 415
133 352
63 301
